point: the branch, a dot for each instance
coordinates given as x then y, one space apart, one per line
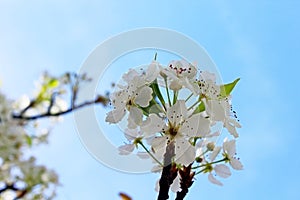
99 99
169 173
52 100
186 181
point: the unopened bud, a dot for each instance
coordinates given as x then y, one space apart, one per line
162 73
101 99
210 146
198 159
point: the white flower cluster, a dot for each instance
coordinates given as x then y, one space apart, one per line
181 105
18 173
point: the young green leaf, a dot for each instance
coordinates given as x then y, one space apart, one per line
227 88
44 94
200 108
157 92
28 140
53 83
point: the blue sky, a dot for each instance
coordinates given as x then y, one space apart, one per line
255 40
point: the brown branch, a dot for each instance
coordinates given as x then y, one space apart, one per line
186 181
74 90
31 104
169 173
99 99
52 100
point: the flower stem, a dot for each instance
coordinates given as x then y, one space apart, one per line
218 161
152 156
188 97
157 92
175 95
202 154
167 89
193 105
215 162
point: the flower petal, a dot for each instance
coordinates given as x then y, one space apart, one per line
126 149
131 134
144 96
185 153
236 164
152 72
234 123
231 129
212 179
215 110
206 75
177 113
198 125
115 116
229 147
175 85
153 124
135 117
129 76
158 147
215 153
159 143
222 170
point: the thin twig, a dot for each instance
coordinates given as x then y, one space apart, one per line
99 99
52 100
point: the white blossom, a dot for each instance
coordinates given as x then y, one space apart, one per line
172 122
132 135
152 72
208 87
229 149
15 167
182 74
135 94
213 170
180 128
130 98
220 110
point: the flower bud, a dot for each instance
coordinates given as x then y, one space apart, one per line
163 74
198 159
210 146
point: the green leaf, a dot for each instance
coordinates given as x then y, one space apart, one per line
28 140
200 108
157 92
53 83
227 88
146 110
44 94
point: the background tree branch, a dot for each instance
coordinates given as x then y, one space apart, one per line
100 99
